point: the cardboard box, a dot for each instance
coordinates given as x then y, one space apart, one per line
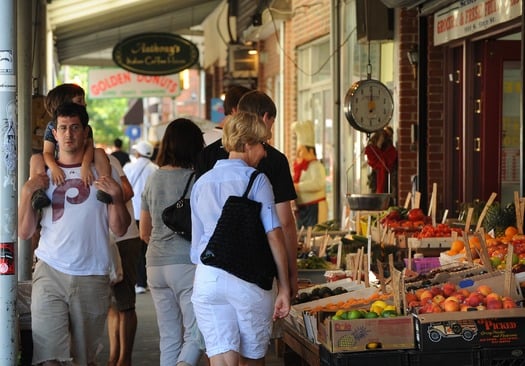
461 330
358 335
483 328
306 323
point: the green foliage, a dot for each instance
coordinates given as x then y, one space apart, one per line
104 114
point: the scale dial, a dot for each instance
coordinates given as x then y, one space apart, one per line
368 105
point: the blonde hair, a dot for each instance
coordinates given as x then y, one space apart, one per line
243 128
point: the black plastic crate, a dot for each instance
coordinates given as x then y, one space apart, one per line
467 357
365 358
502 357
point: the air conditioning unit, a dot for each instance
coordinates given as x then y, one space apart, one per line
243 62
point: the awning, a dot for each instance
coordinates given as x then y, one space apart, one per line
85 31
135 113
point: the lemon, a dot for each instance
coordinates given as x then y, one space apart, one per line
379 303
390 307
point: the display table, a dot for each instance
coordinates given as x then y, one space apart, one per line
298 350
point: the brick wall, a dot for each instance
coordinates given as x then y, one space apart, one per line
407 103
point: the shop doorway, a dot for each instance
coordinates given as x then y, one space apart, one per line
500 119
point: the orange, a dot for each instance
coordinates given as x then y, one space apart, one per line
474 242
510 231
457 246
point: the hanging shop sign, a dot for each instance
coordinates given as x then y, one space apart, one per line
117 83
467 17
155 54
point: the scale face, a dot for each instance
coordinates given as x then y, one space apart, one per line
368 105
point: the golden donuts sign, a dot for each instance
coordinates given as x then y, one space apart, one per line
155 53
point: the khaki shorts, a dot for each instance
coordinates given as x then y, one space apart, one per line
124 296
68 315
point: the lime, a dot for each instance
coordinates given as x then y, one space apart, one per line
371 315
355 314
495 261
337 317
389 314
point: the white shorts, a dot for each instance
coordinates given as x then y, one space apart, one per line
232 314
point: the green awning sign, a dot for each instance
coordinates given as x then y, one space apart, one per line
155 54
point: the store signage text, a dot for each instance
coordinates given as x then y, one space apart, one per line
467 17
117 83
155 54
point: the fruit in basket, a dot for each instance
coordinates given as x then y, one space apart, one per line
451 305
416 214
484 290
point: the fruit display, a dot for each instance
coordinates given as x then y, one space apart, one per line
378 309
317 293
448 297
402 218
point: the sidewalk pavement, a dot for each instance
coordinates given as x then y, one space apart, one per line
146 349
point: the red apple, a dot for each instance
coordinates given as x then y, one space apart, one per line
474 299
448 289
493 304
436 290
509 304
484 290
493 296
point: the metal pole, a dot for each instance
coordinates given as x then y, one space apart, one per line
8 183
25 91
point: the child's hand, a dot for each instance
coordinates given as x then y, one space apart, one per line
87 175
58 176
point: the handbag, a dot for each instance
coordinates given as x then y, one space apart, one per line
239 244
178 216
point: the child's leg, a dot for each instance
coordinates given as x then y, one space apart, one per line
102 165
103 168
36 165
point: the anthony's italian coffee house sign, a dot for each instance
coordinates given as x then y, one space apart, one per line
155 54
466 17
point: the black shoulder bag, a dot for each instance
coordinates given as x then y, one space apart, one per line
239 244
178 216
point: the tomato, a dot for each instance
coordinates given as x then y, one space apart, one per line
416 214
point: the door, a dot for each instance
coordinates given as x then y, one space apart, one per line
500 119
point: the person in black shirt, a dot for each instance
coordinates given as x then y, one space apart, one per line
276 167
122 156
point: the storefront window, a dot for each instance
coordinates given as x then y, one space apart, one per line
315 103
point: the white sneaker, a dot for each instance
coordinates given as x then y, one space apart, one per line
140 290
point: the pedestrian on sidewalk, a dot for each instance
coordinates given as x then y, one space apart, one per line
122 316
70 288
138 172
169 268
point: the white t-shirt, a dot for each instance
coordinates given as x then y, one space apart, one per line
138 172
75 229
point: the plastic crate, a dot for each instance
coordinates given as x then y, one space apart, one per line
468 357
502 357
365 358
423 265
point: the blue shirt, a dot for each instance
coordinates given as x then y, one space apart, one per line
229 177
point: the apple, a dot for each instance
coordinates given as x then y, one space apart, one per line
493 304
436 290
426 295
484 290
460 296
492 296
416 214
474 299
451 305
438 299
509 304
448 289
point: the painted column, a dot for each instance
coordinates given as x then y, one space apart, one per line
8 184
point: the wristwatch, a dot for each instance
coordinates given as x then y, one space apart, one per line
368 105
